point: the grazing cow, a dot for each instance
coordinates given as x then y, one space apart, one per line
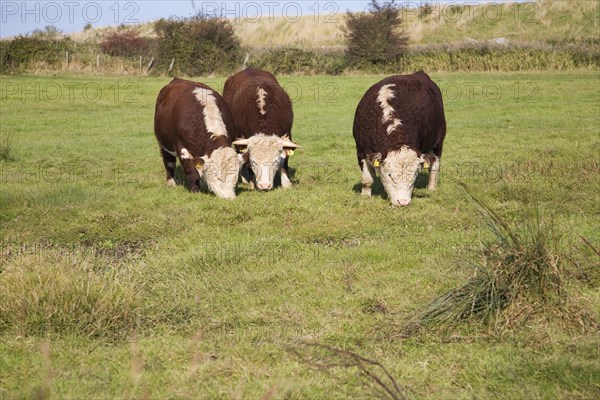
399 126
263 117
192 122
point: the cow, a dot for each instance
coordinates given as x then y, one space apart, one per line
193 122
263 118
399 127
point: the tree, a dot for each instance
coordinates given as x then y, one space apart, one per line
375 37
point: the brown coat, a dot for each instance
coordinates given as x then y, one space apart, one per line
242 92
417 104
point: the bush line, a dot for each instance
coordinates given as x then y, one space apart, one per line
51 57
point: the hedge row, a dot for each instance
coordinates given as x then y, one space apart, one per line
25 54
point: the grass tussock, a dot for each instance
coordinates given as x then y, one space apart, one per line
6 148
519 275
59 293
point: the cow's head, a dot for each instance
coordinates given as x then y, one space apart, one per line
220 171
398 174
266 155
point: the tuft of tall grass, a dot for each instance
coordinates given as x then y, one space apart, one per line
57 293
6 149
517 275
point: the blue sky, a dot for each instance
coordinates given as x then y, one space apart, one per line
22 17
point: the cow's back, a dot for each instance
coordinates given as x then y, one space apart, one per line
416 103
180 120
259 104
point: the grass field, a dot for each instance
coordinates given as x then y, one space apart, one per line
114 286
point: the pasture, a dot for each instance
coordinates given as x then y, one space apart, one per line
115 286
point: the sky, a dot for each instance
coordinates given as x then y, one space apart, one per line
22 17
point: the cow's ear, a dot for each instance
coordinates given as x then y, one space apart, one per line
426 160
198 162
374 159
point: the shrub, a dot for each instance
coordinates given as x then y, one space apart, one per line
199 45
23 51
374 37
125 44
294 60
50 32
424 11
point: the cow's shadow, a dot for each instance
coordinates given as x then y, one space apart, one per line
291 174
378 190
181 179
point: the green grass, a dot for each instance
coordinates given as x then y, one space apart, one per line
114 286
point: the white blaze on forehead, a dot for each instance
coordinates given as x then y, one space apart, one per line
223 156
220 171
383 99
185 155
266 152
223 163
213 120
398 174
263 146
262 94
406 160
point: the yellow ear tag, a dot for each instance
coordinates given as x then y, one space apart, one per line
376 163
426 165
289 152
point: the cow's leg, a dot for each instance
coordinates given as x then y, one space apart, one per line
434 174
192 174
169 161
434 169
368 173
286 183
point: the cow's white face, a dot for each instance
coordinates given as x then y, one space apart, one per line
220 172
266 154
398 174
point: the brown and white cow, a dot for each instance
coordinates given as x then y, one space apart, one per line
263 118
399 126
193 122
